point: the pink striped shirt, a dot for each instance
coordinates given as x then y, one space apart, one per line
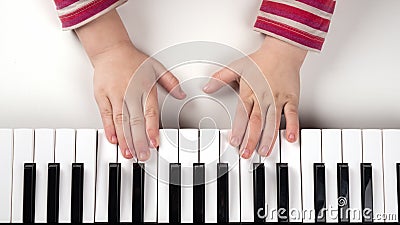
303 23
76 13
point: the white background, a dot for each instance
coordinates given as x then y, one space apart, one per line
46 79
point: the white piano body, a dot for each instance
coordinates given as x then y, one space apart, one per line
46 79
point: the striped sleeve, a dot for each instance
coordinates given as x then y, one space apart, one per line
76 13
303 23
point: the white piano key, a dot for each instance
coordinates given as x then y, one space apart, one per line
167 153
188 154
209 155
352 154
372 153
65 155
230 155
86 141
106 153
6 162
150 188
126 188
44 154
290 153
23 153
246 188
270 182
391 156
310 154
331 155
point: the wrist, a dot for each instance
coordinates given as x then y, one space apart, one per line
121 51
103 34
283 50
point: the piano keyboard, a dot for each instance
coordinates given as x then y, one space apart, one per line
67 175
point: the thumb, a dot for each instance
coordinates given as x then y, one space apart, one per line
220 79
168 81
171 84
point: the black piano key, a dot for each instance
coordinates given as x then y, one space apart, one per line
343 192
319 193
282 191
53 187
138 193
222 193
114 192
77 193
29 193
199 197
175 193
398 187
366 192
259 191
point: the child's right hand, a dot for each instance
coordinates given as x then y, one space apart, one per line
115 60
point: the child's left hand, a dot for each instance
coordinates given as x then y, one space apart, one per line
257 118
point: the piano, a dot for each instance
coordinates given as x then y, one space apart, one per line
76 175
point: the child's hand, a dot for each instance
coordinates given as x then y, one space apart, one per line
120 102
256 124
115 60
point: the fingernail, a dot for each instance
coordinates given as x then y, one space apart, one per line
291 137
113 139
205 88
153 143
128 153
246 153
143 155
235 141
181 92
263 151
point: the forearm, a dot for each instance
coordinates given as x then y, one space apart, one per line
102 34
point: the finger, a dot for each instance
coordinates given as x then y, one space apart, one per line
126 127
152 117
168 81
292 121
253 132
243 110
138 129
119 121
106 113
220 79
270 132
